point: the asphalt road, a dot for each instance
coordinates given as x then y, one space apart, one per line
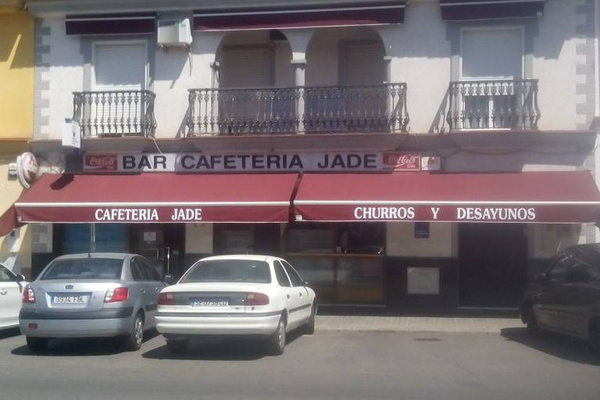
328 365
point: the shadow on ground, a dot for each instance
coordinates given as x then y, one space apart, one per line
80 347
219 349
554 345
8 333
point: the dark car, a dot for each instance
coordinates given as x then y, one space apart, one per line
565 296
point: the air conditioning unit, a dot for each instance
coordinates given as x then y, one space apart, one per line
174 32
431 163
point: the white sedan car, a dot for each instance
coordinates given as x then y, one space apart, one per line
11 289
236 295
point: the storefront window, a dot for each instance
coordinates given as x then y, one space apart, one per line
109 238
360 280
311 239
234 239
340 261
350 238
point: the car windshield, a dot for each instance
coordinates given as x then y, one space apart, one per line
229 271
84 268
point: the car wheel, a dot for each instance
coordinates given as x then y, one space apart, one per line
309 328
532 325
134 340
277 340
177 346
36 344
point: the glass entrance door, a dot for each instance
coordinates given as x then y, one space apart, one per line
162 244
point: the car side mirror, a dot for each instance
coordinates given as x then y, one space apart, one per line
306 283
20 278
169 279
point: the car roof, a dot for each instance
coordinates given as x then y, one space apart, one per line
119 256
254 257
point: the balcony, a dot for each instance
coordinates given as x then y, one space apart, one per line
327 109
115 113
498 104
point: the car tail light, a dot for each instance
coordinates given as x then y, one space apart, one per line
166 299
116 294
256 299
28 295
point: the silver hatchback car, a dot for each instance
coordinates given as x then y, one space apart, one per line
91 295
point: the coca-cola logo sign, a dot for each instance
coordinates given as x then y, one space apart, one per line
97 162
402 161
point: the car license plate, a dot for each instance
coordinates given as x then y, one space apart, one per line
210 302
69 299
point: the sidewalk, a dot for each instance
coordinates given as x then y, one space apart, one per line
415 324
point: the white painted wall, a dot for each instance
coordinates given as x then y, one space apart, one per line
545 240
554 65
420 55
401 241
65 75
176 71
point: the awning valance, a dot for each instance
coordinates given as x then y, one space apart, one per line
110 24
8 221
460 10
158 198
301 16
525 197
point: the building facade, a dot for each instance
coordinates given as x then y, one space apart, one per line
16 122
417 155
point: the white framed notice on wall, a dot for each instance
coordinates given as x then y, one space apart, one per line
422 280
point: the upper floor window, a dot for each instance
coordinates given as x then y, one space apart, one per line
118 103
490 71
119 66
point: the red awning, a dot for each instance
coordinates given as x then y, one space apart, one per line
8 221
526 197
159 197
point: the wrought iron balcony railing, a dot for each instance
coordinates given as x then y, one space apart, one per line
498 104
115 113
373 108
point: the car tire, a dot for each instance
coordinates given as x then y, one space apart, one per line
134 340
177 346
532 325
36 344
277 340
309 328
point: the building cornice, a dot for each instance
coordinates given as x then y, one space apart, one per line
581 142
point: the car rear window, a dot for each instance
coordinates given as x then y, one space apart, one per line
229 271
84 268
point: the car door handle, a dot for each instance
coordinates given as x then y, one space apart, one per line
288 296
143 290
300 293
4 291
